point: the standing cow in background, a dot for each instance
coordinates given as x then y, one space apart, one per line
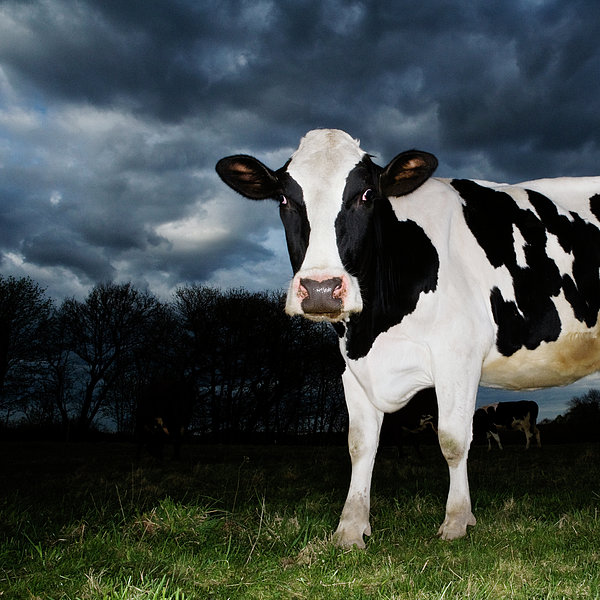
164 412
415 421
430 282
520 415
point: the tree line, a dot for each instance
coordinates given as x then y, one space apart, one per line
247 368
87 364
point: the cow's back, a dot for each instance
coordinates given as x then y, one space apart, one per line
529 256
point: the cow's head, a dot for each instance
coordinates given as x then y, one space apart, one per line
327 193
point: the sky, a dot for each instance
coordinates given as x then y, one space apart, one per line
113 114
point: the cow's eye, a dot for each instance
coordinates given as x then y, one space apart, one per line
367 197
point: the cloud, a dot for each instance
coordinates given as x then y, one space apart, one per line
113 115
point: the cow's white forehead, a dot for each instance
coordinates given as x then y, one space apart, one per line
321 166
324 156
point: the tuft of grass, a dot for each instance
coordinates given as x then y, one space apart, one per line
89 522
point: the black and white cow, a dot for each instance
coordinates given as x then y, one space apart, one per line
430 282
521 415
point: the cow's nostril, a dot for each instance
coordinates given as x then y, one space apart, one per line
339 290
302 291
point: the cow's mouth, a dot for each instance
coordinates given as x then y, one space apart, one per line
330 317
321 305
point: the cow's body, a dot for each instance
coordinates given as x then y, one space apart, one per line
519 416
433 283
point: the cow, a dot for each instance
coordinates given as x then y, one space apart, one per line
521 415
164 411
432 282
414 422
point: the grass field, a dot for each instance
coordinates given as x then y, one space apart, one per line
87 521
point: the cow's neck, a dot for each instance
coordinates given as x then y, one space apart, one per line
401 264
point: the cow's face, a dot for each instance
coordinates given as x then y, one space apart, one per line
327 193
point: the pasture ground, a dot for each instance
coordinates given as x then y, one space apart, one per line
89 521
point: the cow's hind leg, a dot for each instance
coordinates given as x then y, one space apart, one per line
363 438
528 436
524 425
455 434
536 432
496 436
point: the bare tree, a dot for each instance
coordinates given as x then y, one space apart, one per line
248 366
104 332
196 309
24 314
583 416
60 374
257 369
161 354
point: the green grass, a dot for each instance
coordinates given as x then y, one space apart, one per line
89 521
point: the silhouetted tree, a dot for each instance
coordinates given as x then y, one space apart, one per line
160 355
258 370
227 335
104 331
327 410
57 375
246 366
583 415
196 309
24 314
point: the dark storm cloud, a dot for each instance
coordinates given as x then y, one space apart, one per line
113 114
49 249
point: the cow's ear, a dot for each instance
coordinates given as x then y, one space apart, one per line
406 172
249 177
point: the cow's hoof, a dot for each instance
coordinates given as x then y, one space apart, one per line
348 541
453 529
348 537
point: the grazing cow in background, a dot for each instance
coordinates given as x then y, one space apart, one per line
431 282
163 414
414 421
520 415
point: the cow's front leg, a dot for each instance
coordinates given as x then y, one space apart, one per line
363 438
455 434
